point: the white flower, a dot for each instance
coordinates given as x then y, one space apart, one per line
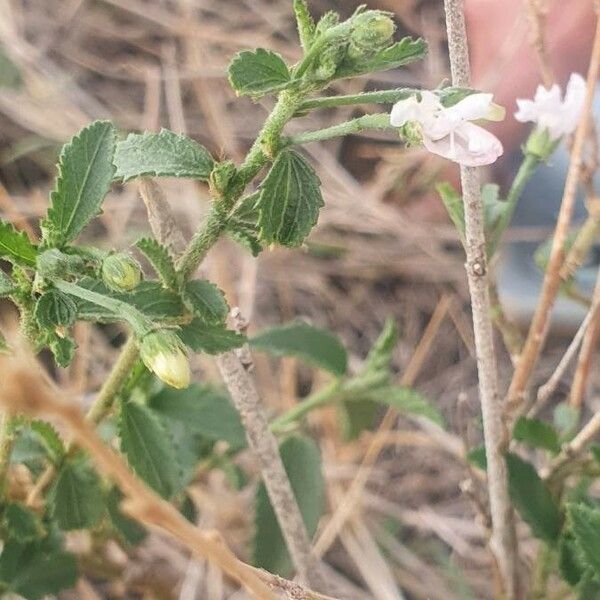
549 112
449 131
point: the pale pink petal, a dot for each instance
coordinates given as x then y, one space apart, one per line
404 111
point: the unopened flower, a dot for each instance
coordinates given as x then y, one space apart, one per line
372 31
121 272
550 112
449 131
165 355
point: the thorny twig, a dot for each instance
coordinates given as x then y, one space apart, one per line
552 280
503 537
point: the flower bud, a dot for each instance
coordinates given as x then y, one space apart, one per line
54 263
540 144
372 31
165 355
121 272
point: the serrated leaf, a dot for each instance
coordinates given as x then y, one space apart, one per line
407 401
203 410
245 236
163 154
34 571
303 466
212 339
589 587
149 297
15 246
290 200
317 346
161 260
585 526
258 72
76 498
206 301
401 53
128 529
533 499
63 350
570 564
536 433
21 523
85 173
147 448
54 309
49 439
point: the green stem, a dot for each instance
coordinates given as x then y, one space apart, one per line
376 121
316 400
7 439
112 386
524 174
140 324
378 97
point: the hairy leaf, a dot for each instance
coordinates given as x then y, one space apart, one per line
63 350
212 339
54 309
163 154
536 433
401 53
316 346
15 246
21 523
206 301
128 529
50 439
380 354
85 172
407 401
303 465
258 72
7 286
160 259
570 562
290 200
148 450
76 498
585 526
533 499
203 410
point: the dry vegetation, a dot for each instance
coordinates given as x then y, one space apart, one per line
417 523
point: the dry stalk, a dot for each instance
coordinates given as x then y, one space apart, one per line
552 280
261 441
537 17
503 538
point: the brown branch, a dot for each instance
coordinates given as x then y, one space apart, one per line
537 17
552 280
503 538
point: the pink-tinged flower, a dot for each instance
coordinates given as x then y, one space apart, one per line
550 112
449 131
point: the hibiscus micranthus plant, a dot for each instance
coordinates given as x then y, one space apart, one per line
162 426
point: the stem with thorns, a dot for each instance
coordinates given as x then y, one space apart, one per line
503 538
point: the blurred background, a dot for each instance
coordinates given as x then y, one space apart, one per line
382 249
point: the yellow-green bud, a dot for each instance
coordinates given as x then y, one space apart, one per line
372 31
121 272
165 355
540 144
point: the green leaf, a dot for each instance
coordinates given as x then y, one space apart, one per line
212 339
7 286
316 346
585 526
21 523
245 236
533 499
401 53
203 410
15 246
476 456
149 297
303 466
34 571
206 301
569 560
54 309
148 450
128 529
536 433
407 401
85 173
164 154
76 498
49 438
589 587
305 23
161 260
63 350
356 416
380 354
258 72
290 200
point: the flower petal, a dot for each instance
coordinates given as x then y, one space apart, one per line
473 107
404 111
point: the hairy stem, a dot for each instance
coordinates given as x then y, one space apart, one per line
503 537
7 439
379 97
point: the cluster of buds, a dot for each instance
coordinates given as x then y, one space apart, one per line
165 355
